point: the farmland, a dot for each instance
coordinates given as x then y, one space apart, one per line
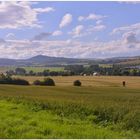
35 69
100 108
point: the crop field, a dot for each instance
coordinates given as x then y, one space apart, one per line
100 108
94 81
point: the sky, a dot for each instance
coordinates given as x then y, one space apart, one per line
69 29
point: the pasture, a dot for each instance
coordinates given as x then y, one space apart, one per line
34 69
100 108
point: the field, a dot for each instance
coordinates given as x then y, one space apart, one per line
35 69
94 81
100 108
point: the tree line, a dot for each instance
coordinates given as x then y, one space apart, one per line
71 70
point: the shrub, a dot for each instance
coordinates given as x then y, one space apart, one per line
48 82
37 82
20 82
77 83
4 79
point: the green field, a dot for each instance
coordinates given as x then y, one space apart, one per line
34 69
101 108
40 69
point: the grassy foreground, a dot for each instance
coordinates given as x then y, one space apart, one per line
22 121
102 110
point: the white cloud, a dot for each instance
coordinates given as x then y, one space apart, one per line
134 27
66 20
91 16
80 30
20 14
68 48
77 31
80 18
95 17
99 22
130 37
130 2
96 28
46 10
57 33
129 34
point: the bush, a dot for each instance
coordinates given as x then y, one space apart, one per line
20 82
48 82
37 82
77 83
4 79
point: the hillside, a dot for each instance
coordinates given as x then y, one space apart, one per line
42 60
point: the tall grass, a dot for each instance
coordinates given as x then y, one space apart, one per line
70 112
23 119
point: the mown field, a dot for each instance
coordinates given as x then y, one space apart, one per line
100 108
94 81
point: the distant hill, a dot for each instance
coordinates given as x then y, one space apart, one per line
42 60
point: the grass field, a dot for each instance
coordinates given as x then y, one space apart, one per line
101 108
40 69
34 69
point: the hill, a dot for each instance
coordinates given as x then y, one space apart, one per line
42 60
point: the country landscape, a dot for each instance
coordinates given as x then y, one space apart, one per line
68 83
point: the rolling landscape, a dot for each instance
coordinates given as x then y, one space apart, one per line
69 70
42 60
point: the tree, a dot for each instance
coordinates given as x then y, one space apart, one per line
46 72
76 69
31 73
20 71
6 79
48 82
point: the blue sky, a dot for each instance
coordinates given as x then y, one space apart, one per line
69 29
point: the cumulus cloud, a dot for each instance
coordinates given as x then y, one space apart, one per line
80 18
68 48
99 22
129 34
130 37
57 33
66 20
91 16
20 14
80 30
77 31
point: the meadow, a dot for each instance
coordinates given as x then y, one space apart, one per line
100 108
33 68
